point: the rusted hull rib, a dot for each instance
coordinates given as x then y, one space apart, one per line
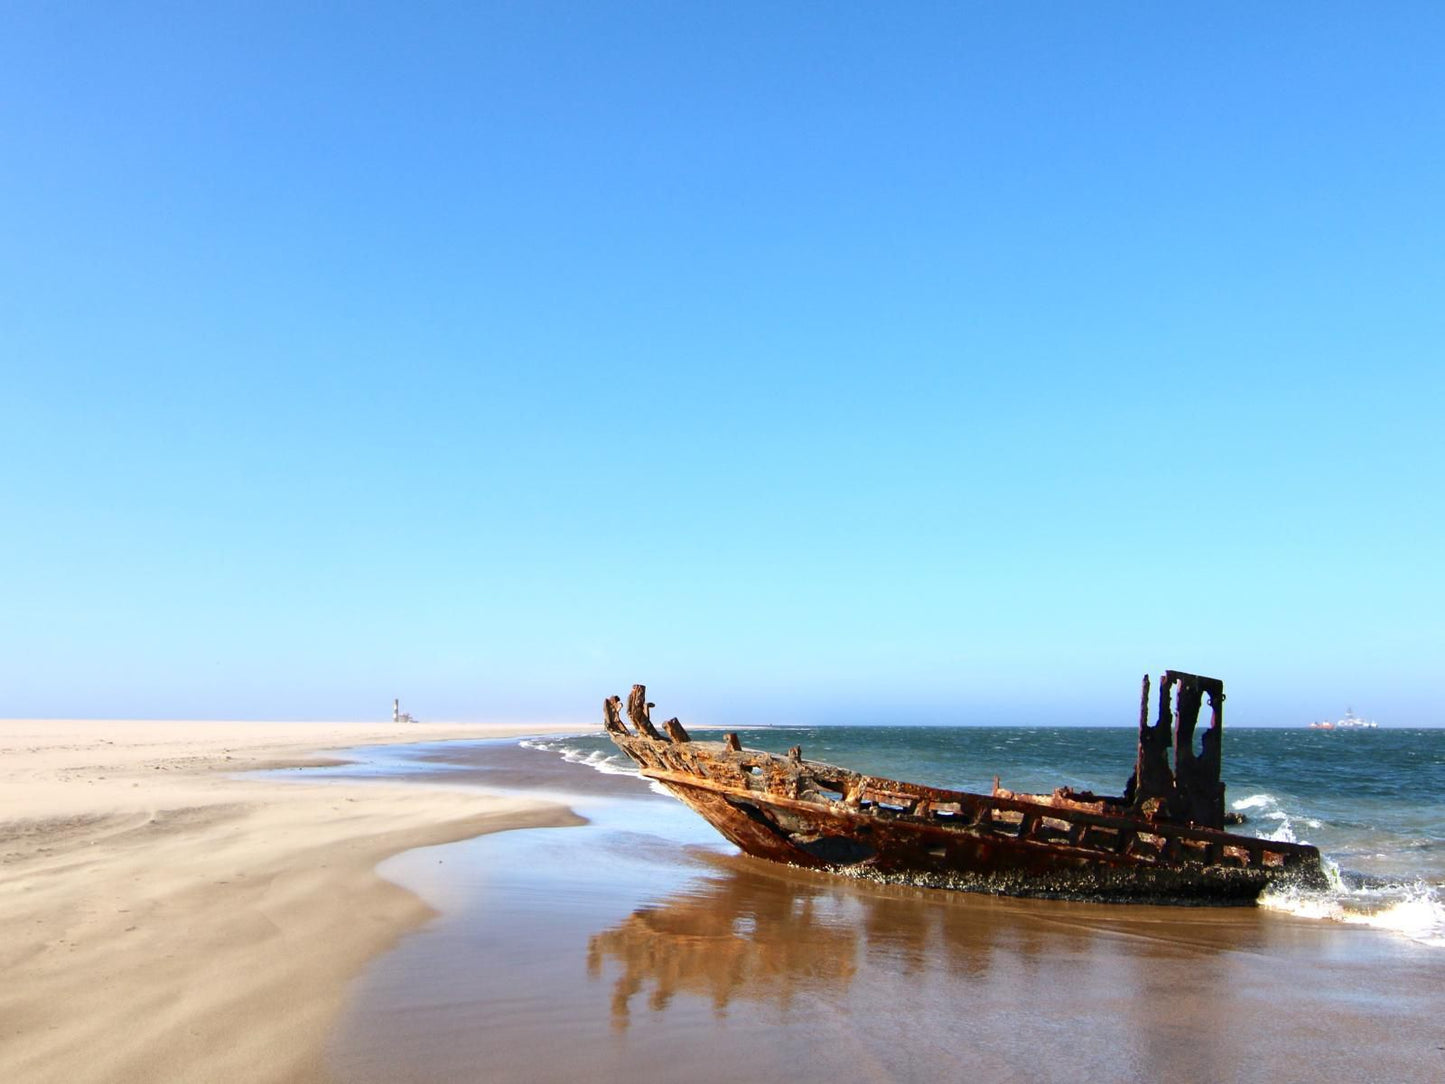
1149 844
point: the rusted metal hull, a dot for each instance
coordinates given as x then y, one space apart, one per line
818 816
985 856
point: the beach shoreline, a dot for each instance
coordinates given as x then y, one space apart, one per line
662 953
168 918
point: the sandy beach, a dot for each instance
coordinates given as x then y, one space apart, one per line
167 920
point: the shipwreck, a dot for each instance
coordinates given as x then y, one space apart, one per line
1162 840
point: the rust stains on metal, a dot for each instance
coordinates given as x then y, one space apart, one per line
1162 839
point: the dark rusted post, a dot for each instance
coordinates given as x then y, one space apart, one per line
731 741
1153 780
1200 794
1181 784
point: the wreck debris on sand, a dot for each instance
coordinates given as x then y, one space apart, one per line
1162 840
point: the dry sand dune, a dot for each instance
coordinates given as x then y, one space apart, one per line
166 920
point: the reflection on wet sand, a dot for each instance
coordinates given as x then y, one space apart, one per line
729 935
748 930
1139 992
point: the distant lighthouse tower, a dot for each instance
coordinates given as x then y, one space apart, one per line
396 710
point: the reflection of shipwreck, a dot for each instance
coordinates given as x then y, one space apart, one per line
1162 840
733 935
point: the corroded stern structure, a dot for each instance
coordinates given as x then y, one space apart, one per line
1162 840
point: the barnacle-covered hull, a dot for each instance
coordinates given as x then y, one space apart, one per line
1142 846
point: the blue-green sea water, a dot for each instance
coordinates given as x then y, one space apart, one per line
1372 801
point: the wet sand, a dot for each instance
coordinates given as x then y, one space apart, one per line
640 946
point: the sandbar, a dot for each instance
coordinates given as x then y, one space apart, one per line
166 918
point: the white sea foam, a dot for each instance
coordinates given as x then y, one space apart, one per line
1419 917
1415 910
607 764
1255 801
1284 829
1267 807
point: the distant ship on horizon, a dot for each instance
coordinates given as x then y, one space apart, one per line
1351 721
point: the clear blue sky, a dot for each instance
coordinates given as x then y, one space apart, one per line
810 362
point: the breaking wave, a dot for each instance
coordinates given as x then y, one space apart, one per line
1254 801
607 763
1413 909
1266 807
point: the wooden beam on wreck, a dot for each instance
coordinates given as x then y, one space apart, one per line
676 731
638 711
612 716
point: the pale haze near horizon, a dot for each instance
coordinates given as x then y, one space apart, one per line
952 364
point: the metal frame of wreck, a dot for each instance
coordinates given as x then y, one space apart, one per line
1133 832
